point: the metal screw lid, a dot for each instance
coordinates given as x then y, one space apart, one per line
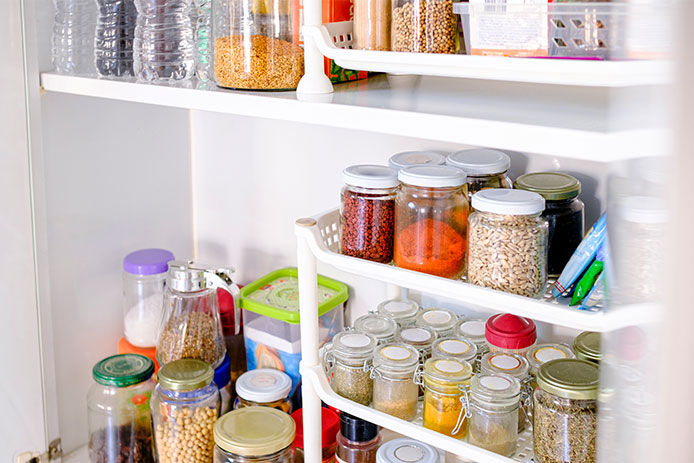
254 431
587 346
183 278
123 370
553 186
185 375
570 378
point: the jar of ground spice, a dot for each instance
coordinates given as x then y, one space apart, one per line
424 26
348 360
485 168
454 347
494 400
395 391
367 212
380 327
445 384
431 210
441 321
403 311
516 366
419 337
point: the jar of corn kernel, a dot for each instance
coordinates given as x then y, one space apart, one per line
185 406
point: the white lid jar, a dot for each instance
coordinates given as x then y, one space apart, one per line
403 311
419 337
441 321
265 387
380 327
406 450
485 168
517 366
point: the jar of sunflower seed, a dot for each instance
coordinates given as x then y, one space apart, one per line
424 26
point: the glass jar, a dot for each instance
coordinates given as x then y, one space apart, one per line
406 450
445 396
507 242
564 213
144 278
472 329
494 400
419 337
485 168
371 25
118 405
357 441
395 391
416 158
587 346
426 26
431 210
516 366
348 359
256 45
454 347
510 334
367 212
403 311
264 387
566 412
185 406
254 435
330 426
222 379
540 354
380 327
441 321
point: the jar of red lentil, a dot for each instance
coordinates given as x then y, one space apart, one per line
367 212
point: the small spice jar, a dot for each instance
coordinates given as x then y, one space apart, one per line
185 406
416 158
264 387
118 409
256 434
330 426
516 366
441 321
405 450
587 346
395 391
431 210
564 213
509 333
424 26
566 408
454 347
357 441
380 327
507 242
494 401
349 360
445 396
540 354
367 212
222 379
419 337
472 329
403 311
485 168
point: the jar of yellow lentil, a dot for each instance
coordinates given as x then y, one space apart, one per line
446 408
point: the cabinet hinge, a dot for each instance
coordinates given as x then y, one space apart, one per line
55 451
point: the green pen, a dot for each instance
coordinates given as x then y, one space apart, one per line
586 282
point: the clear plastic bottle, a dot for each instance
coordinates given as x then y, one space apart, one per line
115 31
201 17
164 45
72 45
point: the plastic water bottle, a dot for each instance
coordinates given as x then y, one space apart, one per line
72 44
202 30
115 30
164 43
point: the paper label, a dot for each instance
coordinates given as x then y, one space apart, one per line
449 366
396 353
355 340
545 354
495 383
437 317
415 335
454 347
504 362
473 328
409 453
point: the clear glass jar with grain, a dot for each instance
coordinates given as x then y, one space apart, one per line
395 391
348 360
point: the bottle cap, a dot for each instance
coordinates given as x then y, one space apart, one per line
380 327
254 431
432 176
185 375
356 429
587 346
370 176
222 374
553 186
147 261
263 385
405 450
480 161
508 202
123 370
416 158
509 331
330 425
570 378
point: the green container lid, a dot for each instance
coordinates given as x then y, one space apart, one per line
185 375
570 378
123 370
587 346
276 295
553 186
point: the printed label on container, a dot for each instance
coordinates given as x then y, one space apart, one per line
397 307
504 362
437 317
454 347
545 354
409 453
355 340
473 328
396 353
495 383
449 366
415 335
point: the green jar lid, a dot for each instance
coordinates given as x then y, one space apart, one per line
123 370
185 375
587 346
569 378
553 186
254 431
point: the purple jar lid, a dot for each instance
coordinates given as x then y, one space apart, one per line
147 261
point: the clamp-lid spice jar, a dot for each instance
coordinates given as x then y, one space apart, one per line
255 434
380 327
516 366
403 311
395 391
540 354
419 337
485 168
564 213
348 359
416 158
367 212
431 210
507 242
587 346
441 321
454 347
405 450
510 333
265 387
445 392
472 329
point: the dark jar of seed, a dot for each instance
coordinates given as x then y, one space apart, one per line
367 212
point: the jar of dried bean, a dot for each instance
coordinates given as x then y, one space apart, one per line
185 406
395 391
380 327
419 337
472 329
510 334
494 400
446 407
431 210
403 311
424 26
348 360
264 387
507 242
441 321
566 409
485 168
453 347
367 212
516 366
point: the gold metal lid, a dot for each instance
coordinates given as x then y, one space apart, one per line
570 378
587 346
185 375
254 431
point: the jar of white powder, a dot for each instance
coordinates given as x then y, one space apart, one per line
144 276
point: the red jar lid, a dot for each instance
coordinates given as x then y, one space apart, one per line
330 422
510 332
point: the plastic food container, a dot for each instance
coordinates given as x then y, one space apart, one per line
485 168
330 426
516 366
348 360
222 379
271 319
441 321
416 158
431 210
367 212
256 45
445 382
426 26
405 450
255 434
564 213
394 389
507 242
144 278
185 406
566 411
419 337
118 409
587 346
494 400
454 347
510 334
403 311
540 354
380 327
264 387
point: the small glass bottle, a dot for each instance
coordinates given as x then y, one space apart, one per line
587 346
510 334
380 327
330 424
222 379
516 366
395 391
403 311
405 450
367 212
416 158
445 395
264 387
441 321
454 347
419 337
357 441
431 209
494 400
349 360
507 242
485 168
472 329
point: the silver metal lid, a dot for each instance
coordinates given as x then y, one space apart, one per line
187 276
